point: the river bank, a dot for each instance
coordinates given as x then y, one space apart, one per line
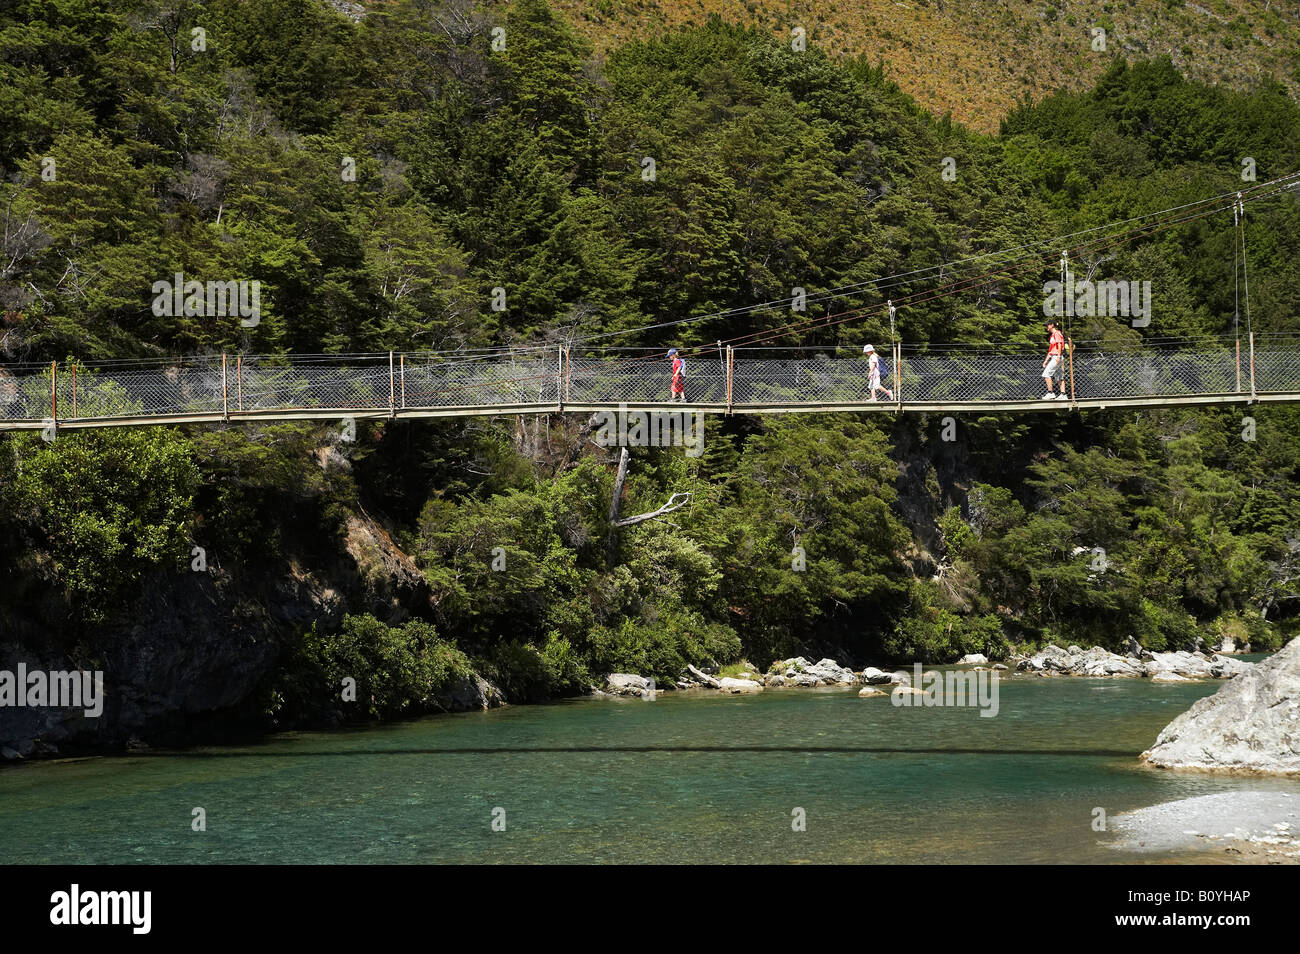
800 673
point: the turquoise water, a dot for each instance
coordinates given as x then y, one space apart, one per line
393 794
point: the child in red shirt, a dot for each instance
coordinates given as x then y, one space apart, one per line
679 376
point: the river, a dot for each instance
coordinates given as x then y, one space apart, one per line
1057 749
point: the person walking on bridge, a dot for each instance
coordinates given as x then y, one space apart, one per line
1054 363
876 366
678 390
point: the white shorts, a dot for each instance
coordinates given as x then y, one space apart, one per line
875 380
1055 368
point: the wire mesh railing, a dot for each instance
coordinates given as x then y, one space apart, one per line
221 386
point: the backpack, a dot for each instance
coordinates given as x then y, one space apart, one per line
882 366
681 366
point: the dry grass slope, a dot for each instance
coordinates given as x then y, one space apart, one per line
977 58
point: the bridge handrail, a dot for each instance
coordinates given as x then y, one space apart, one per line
553 377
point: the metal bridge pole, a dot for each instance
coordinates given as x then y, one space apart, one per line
402 358
1252 366
898 374
392 387
225 390
54 392
1238 365
731 373
1069 346
239 380
559 377
74 390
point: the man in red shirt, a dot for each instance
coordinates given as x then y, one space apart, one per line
679 376
1054 363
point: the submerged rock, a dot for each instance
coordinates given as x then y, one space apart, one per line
1250 725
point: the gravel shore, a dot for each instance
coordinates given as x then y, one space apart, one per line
1262 824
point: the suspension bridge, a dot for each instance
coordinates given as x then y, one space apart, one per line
746 374
222 388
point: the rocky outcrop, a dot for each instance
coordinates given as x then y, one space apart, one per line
628 684
392 586
473 692
353 11
1250 725
800 672
728 684
973 659
1098 662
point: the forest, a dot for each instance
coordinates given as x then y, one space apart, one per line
493 149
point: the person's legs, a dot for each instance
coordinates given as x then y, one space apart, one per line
1050 375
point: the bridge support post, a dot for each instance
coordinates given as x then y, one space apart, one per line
54 393
898 375
559 377
1069 347
402 360
731 370
392 388
568 374
1238 365
1252 367
74 390
239 380
225 390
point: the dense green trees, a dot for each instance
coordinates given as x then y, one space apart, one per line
382 178
106 507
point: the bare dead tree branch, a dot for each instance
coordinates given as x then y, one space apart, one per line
673 504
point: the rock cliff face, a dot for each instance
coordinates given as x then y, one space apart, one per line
1250 725
200 650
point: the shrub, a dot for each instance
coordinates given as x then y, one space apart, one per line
937 636
111 504
664 648
398 670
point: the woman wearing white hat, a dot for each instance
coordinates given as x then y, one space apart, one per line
876 363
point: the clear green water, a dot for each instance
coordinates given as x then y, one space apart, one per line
386 794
